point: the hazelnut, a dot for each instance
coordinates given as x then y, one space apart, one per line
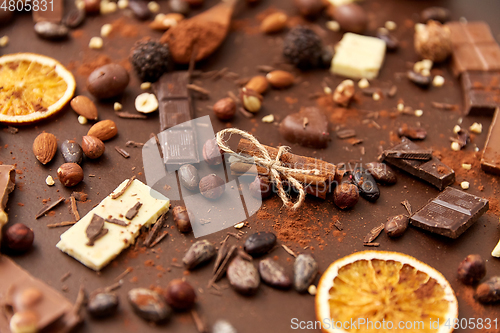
212 187
252 100
180 295
344 93
260 188
396 225
182 219
23 322
346 195
70 174
472 269
225 108
92 147
433 41
488 291
212 153
19 237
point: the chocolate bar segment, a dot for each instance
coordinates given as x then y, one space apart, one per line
474 47
179 146
450 213
490 162
432 171
52 309
481 92
174 112
48 11
172 85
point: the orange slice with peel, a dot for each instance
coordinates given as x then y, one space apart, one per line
381 291
32 87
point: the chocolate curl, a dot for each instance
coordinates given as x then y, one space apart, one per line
277 171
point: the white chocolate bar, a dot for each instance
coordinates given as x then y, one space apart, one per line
496 251
74 240
358 56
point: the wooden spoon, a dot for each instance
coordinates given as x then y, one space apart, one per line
206 30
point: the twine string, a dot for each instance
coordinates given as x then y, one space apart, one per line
276 169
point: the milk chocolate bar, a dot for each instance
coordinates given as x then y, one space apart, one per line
451 213
474 47
7 185
432 171
490 161
481 92
48 11
54 312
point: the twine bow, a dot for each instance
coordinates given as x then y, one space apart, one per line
276 170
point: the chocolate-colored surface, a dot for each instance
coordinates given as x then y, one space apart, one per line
269 310
490 162
481 92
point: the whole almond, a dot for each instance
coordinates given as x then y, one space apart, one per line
280 79
258 83
45 147
103 130
70 174
92 147
274 23
84 107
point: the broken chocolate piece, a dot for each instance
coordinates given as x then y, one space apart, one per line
450 213
373 234
432 171
413 133
313 133
94 229
45 209
490 162
132 212
180 146
153 233
7 185
116 221
410 154
481 92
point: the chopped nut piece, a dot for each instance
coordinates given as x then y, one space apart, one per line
333 25
376 96
400 107
106 30
108 7
122 4
466 166
4 41
117 106
476 128
327 90
390 25
464 185
456 129
49 180
239 225
438 81
153 6
344 93
363 83
312 290
419 113
268 119
96 43
82 120
145 85
455 146
146 103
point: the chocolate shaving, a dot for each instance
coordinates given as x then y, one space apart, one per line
46 209
245 112
119 194
61 224
158 144
122 152
132 212
204 92
200 325
65 276
79 303
11 130
134 144
128 115
373 234
153 233
444 106
222 268
74 208
159 238
99 236
392 91
245 256
117 222
289 251
265 68
338 225
241 82
221 255
124 273
411 154
372 244
94 228
407 205
346 133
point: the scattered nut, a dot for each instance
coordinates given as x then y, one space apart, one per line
19 237
390 25
108 7
376 96
70 174
4 41
346 195
312 290
82 120
182 219
258 83
225 109
180 295
45 147
466 166
472 269
457 129
268 119
49 180
333 26
438 81
252 101
96 43
280 79
117 106
84 106
145 85
433 41
344 93
419 113
106 30
92 147
476 128
488 291
153 6
146 103
274 23
363 83
455 146
400 107
212 187
464 185
122 4
103 130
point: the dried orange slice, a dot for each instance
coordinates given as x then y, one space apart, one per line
379 291
32 87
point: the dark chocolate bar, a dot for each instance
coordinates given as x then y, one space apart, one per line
481 92
179 146
172 85
474 48
490 162
432 171
417 154
48 11
451 213
174 112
